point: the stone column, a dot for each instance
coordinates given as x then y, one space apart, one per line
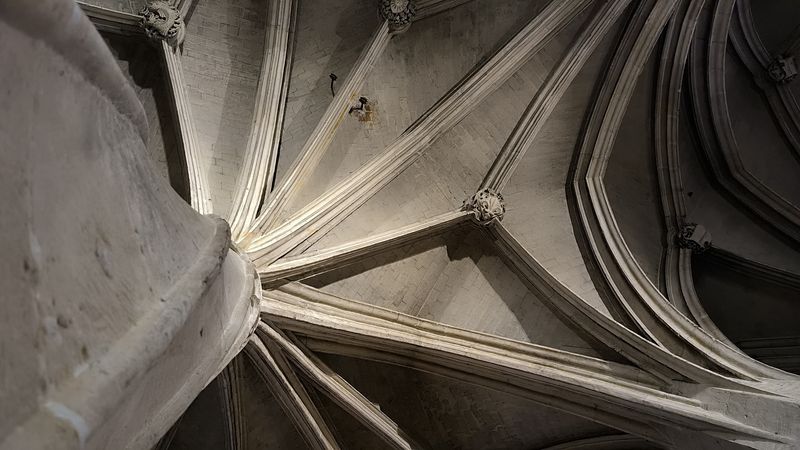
782 69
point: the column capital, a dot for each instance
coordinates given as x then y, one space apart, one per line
694 237
399 13
782 69
163 22
487 205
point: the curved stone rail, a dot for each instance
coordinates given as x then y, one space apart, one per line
678 264
120 23
709 100
657 317
120 303
261 153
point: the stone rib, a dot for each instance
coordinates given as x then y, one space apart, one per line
446 113
261 154
728 167
546 100
645 354
339 390
658 316
600 390
112 21
428 8
198 183
316 145
320 261
128 24
230 397
678 261
291 394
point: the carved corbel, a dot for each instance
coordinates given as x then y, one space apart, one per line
782 69
487 205
694 237
163 22
399 14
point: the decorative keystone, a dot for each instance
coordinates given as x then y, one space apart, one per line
782 69
694 237
163 22
487 205
399 13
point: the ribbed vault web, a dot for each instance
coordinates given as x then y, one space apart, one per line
577 305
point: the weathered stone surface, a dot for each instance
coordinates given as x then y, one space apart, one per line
109 278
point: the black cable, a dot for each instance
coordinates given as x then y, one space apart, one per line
333 80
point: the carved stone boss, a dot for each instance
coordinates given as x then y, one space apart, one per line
163 22
399 13
487 205
694 237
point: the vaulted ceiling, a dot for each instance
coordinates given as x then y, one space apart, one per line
549 224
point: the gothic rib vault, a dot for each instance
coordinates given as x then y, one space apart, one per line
447 224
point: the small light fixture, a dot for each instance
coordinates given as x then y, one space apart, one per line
362 102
